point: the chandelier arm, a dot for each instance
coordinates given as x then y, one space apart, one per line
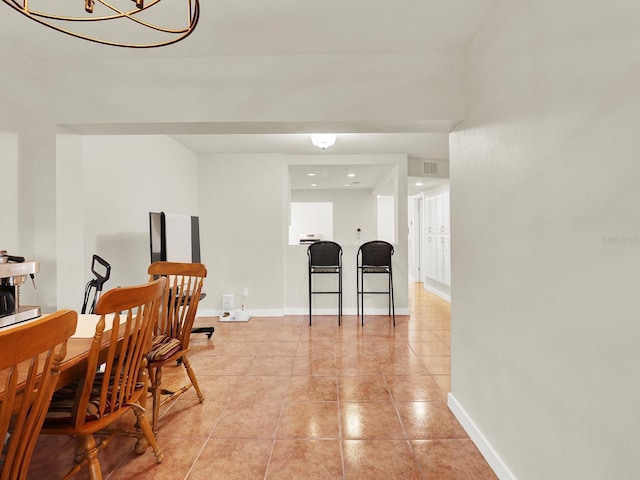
194 16
119 13
130 16
35 13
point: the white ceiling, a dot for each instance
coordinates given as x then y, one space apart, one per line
285 27
279 27
305 177
371 177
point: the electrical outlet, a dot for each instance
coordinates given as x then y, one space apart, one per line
246 292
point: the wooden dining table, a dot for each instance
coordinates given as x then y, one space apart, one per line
74 365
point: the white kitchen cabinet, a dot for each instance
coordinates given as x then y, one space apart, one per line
431 223
437 239
431 255
446 217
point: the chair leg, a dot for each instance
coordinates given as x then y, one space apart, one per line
208 330
393 303
156 384
362 298
192 377
92 456
79 459
86 454
143 378
358 291
340 298
389 295
309 298
148 432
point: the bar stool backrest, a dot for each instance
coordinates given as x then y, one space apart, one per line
376 253
325 253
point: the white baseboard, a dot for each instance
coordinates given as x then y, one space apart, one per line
253 313
303 311
345 311
438 292
487 451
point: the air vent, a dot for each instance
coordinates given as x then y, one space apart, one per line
430 168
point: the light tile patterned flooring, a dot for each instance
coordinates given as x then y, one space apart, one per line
289 401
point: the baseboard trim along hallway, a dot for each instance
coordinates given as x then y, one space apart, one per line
487 451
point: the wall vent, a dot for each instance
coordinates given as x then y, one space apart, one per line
430 168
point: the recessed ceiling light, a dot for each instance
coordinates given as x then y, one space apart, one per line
311 174
419 184
351 175
347 185
314 184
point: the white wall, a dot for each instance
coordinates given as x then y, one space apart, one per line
107 187
254 88
546 243
242 228
352 209
28 143
386 218
72 262
9 169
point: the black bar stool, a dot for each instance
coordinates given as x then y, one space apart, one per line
374 257
325 257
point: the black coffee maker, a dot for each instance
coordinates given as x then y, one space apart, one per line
7 301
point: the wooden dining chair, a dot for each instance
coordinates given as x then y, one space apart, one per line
173 329
29 364
115 381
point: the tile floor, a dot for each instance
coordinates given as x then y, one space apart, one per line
289 401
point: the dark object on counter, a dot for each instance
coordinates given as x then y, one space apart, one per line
5 257
95 285
7 303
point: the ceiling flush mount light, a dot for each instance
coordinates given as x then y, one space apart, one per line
119 23
323 140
